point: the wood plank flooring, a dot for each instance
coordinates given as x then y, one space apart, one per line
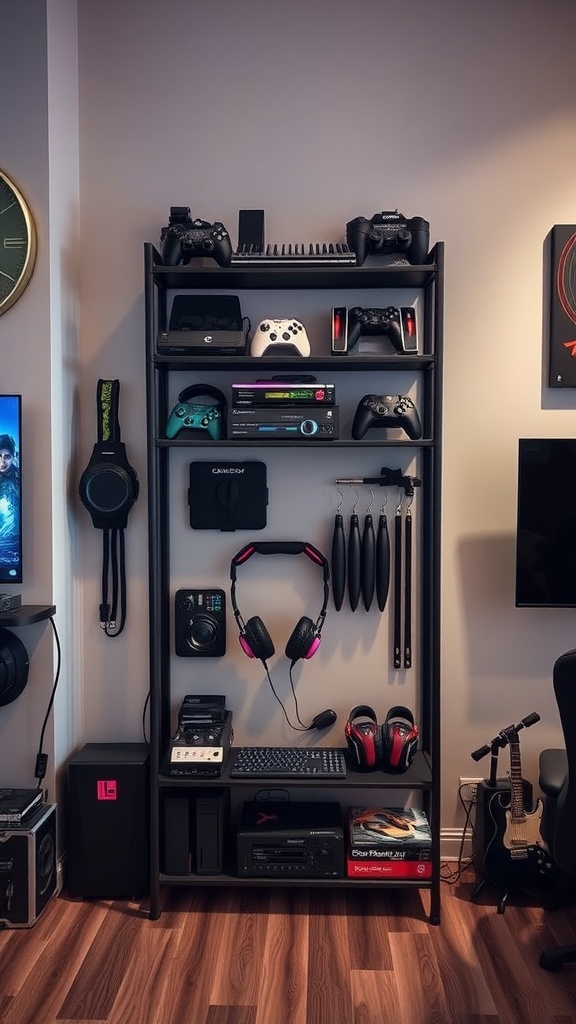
289 956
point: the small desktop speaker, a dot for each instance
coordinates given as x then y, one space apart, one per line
27 868
108 821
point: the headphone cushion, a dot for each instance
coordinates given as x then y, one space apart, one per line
364 737
256 640
399 739
301 642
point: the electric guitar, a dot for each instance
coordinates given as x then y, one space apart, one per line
516 854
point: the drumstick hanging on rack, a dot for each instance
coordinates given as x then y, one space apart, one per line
354 558
338 559
397 610
382 560
408 588
368 572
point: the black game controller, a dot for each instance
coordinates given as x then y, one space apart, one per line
398 325
386 411
389 232
185 238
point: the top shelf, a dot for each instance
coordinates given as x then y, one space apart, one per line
204 275
26 614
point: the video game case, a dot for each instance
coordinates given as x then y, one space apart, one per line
393 830
367 853
389 869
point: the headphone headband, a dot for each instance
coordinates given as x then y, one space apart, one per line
206 390
279 547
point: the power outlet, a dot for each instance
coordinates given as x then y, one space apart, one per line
469 789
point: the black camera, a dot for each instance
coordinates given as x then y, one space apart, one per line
200 623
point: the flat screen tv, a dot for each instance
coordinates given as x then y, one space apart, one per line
546 523
10 489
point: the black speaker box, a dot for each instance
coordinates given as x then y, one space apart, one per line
108 821
193 831
484 824
27 868
560 257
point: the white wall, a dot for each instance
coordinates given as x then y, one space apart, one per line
319 111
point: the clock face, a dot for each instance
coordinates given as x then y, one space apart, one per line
17 243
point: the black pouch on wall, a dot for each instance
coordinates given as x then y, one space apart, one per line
228 495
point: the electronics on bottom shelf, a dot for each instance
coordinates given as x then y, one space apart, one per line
286 839
388 842
194 825
27 868
201 743
300 422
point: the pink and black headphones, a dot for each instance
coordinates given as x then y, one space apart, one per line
255 639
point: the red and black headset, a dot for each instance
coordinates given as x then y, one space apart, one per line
390 746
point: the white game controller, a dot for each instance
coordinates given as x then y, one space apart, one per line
271 333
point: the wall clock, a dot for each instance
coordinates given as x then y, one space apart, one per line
17 243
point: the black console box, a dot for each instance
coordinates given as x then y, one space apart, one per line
194 824
291 840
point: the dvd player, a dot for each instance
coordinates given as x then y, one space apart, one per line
310 422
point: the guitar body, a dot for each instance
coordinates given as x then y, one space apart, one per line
516 855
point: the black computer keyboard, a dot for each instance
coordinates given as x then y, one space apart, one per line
288 763
290 254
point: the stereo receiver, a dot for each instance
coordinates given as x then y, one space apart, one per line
291 840
298 422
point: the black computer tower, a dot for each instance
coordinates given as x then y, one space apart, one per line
108 821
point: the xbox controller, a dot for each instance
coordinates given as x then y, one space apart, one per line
389 232
386 411
185 416
272 333
185 238
398 325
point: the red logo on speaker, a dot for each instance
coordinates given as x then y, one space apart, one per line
106 789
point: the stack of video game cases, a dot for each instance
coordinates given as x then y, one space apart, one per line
17 805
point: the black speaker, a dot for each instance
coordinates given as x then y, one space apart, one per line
484 824
27 868
108 821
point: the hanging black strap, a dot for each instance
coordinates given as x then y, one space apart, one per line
408 590
397 610
113 575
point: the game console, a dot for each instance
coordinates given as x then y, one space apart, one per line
302 423
275 337
397 324
204 325
291 840
184 238
386 411
389 232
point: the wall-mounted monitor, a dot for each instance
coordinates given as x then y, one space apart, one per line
10 489
546 523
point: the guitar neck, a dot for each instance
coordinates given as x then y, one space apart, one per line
517 812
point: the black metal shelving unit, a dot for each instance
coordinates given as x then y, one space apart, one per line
424 773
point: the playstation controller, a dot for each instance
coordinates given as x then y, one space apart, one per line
184 238
271 334
389 232
386 411
398 325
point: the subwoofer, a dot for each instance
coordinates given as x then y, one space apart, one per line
108 821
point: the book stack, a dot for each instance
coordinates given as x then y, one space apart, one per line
388 842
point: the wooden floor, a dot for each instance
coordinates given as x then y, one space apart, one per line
289 956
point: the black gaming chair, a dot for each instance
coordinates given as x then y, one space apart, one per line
558 783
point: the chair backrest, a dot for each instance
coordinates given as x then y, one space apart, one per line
564 680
